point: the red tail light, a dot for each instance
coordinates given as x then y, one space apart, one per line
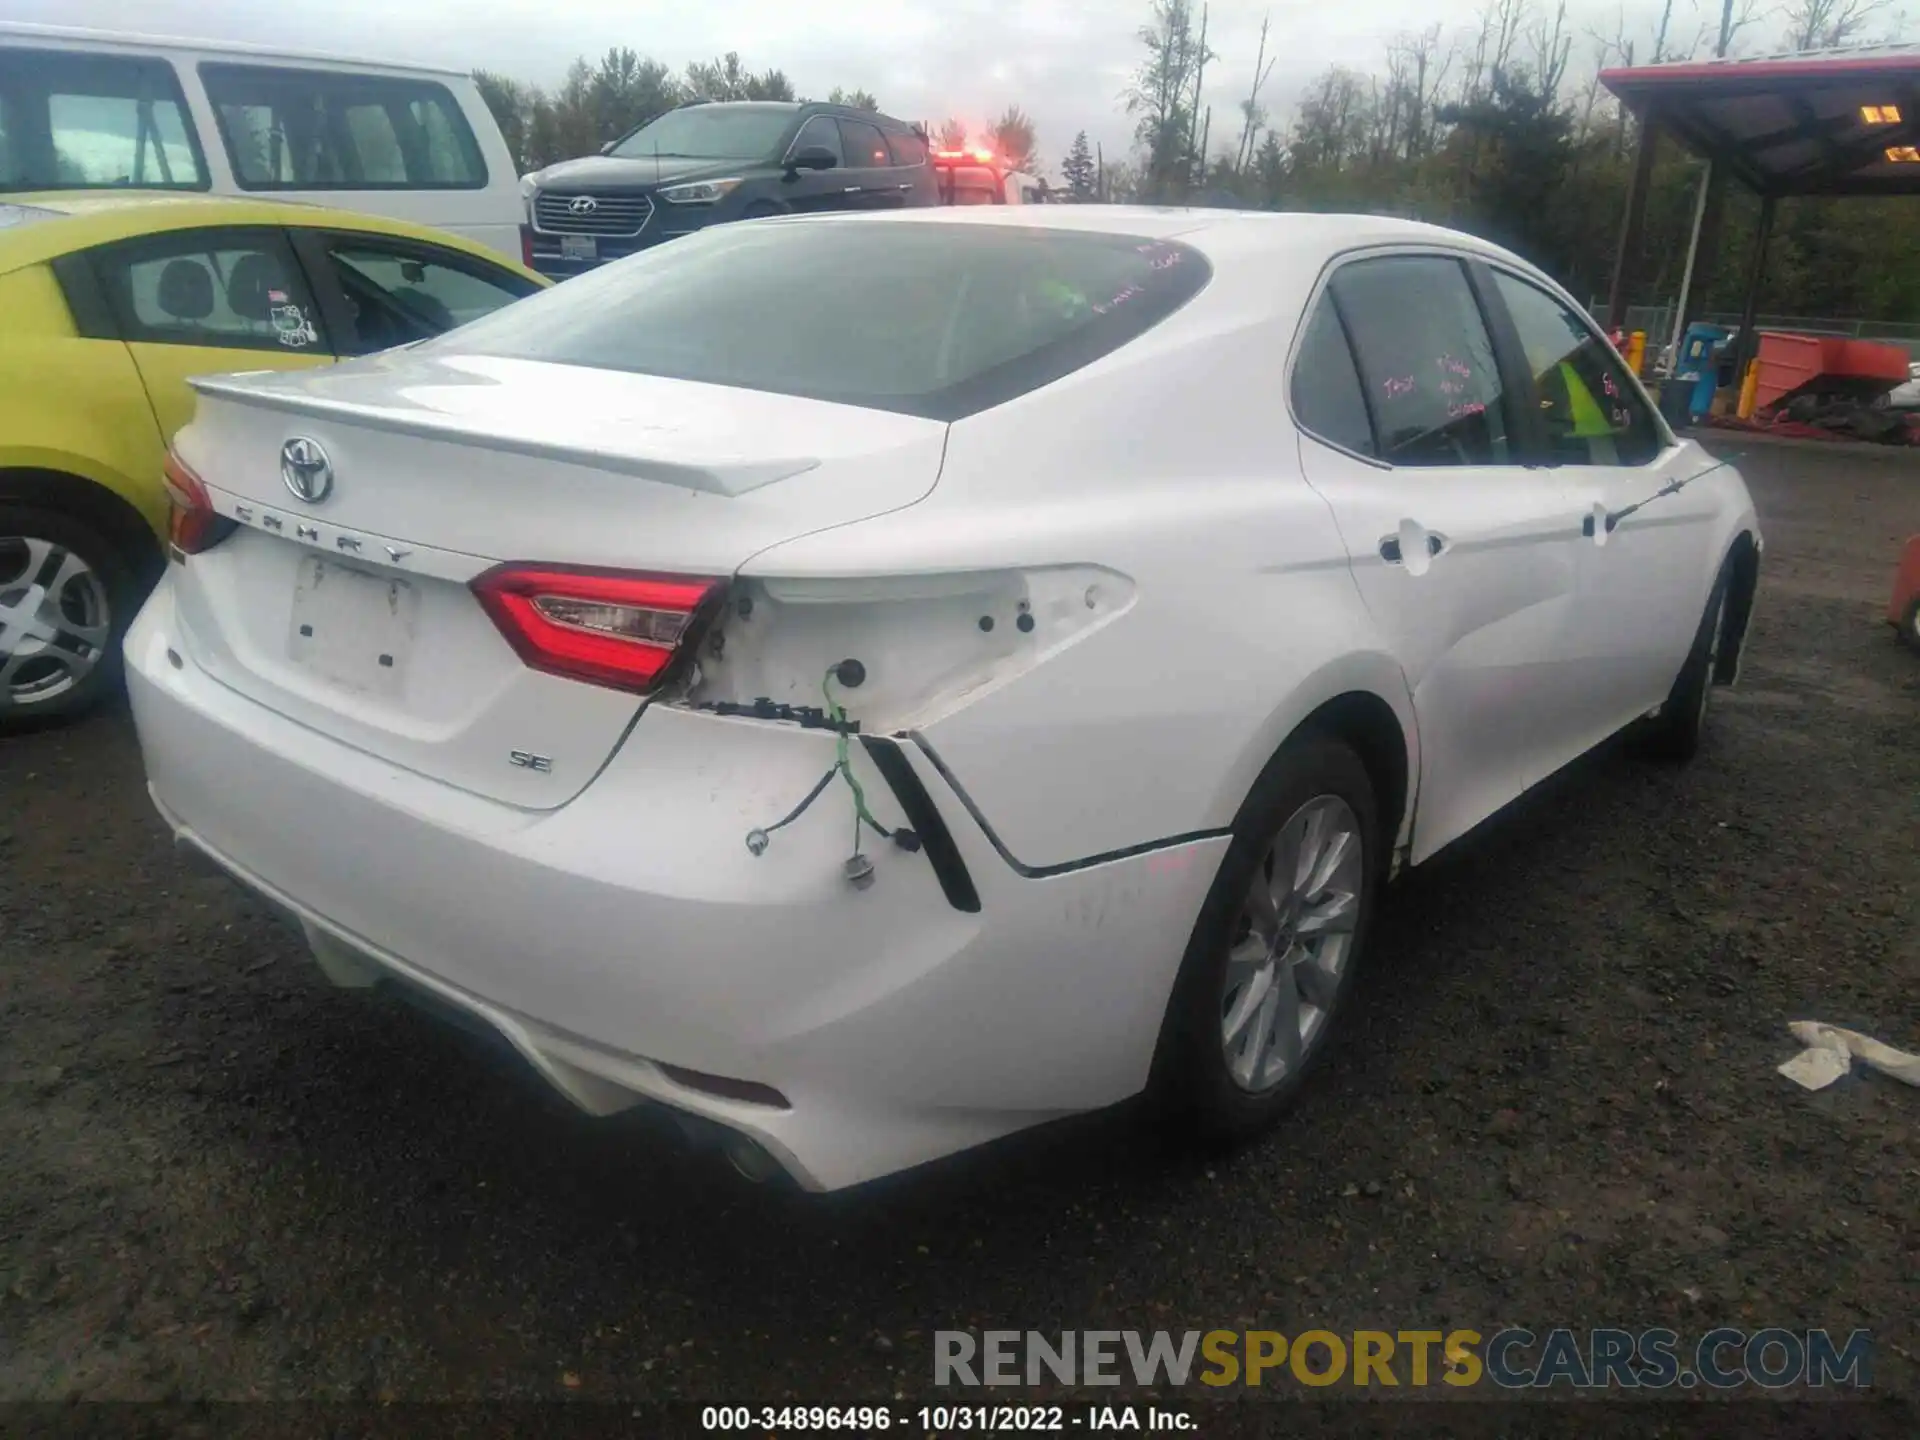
192 523
607 627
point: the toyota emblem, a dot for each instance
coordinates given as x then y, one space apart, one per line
583 205
306 470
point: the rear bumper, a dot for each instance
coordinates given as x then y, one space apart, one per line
632 929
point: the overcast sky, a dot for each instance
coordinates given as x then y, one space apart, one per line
1064 61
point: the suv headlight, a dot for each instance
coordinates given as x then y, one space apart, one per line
528 189
698 192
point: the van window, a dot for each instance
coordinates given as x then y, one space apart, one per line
72 121
331 130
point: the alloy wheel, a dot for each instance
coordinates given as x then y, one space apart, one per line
1715 629
1293 944
55 620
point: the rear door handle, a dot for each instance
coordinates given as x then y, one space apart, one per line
1391 553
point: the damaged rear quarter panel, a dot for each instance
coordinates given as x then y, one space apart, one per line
1242 615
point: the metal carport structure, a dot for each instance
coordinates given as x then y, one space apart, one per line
1831 123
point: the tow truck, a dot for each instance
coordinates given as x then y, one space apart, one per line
979 177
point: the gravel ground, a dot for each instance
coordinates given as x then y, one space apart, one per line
220 1179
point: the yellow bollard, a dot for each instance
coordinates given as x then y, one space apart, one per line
1749 390
1636 350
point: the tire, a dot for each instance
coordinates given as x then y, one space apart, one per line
1910 625
67 594
1675 734
1209 1086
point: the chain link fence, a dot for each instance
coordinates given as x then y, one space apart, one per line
1657 322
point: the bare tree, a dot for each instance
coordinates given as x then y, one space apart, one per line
1491 52
1826 24
1619 46
1012 137
1418 67
1552 44
1196 143
1330 128
1162 92
1252 118
1735 16
952 135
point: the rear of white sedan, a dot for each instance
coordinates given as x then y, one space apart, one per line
480 660
872 685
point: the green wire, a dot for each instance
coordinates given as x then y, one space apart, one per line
838 714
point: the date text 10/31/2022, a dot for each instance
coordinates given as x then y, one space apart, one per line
947 1419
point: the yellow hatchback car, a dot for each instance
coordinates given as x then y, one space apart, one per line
108 302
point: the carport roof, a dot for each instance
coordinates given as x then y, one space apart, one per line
1833 122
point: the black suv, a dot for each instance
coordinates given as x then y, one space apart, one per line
704 164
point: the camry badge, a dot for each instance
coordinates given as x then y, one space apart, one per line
306 470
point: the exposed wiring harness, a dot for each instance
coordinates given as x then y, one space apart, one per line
859 869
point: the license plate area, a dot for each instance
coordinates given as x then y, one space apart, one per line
579 247
353 628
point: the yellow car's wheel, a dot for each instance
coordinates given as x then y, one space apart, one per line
66 596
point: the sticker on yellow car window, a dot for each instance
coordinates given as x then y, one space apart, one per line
290 322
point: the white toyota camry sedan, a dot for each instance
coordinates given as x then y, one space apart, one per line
875 683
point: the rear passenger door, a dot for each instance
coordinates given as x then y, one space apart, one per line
1643 585
1465 558
869 167
206 302
913 169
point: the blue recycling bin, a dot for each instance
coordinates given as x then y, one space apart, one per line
1699 364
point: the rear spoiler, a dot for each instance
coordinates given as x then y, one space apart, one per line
727 478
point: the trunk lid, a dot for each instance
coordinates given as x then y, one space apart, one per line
350 612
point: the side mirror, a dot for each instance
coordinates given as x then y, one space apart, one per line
814 157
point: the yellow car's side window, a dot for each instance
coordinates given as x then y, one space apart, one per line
227 289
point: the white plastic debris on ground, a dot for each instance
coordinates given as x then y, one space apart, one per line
1831 1051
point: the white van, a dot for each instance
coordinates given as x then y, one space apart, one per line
82 109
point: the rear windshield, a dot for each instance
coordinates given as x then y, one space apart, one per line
933 319
72 121
710 132
336 130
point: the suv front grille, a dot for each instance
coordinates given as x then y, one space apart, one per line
610 215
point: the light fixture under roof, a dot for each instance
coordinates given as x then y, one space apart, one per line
1880 114
1903 155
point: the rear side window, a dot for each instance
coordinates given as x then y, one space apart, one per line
1426 361
225 289
329 130
397 294
932 319
1327 399
907 149
1591 413
864 148
74 121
